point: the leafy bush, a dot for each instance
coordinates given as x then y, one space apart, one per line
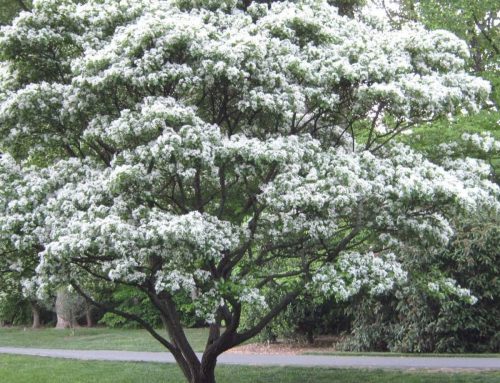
413 319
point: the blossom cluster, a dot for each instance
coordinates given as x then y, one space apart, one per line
378 273
448 287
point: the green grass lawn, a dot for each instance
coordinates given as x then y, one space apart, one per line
92 339
27 369
136 340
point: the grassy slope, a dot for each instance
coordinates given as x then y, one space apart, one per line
22 369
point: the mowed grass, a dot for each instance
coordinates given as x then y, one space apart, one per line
26 369
93 339
140 340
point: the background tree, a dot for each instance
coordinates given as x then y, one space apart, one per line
69 308
9 9
189 147
14 309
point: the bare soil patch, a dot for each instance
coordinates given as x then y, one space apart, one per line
321 344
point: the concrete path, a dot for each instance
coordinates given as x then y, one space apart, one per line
274 360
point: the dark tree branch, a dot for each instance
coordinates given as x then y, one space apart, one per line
485 34
169 346
373 125
167 307
287 299
23 6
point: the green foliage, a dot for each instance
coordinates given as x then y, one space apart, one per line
302 320
135 302
9 9
415 320
15 309
446 131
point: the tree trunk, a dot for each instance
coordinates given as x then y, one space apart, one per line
88 316
310 336
63 319
204 379
206 375
35 310
62 323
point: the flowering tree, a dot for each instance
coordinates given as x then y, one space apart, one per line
222 149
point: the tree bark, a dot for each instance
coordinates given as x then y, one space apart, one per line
62 323
88 316
206 376
62 320
35 310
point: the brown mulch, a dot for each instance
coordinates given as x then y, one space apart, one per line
321 344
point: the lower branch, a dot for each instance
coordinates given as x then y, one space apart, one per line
287 299
170 347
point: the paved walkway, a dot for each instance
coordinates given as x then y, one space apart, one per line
274 360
